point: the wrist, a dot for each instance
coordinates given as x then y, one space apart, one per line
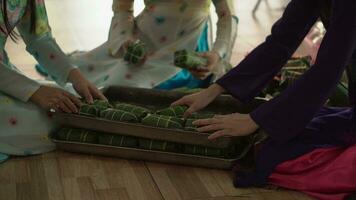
74 75
34 97
216 54
216 89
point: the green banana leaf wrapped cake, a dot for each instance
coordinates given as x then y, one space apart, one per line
299 62
139 111
189 60
93 110
292 71
118 140
77 135
158 145
89 110
189 126
174 111
163 121
237 150
119 115
135 52
203 151
102 104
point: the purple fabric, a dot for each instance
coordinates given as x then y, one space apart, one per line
296 120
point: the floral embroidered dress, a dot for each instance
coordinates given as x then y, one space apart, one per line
24 127
165 26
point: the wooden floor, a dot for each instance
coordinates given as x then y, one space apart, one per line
60 175
84 24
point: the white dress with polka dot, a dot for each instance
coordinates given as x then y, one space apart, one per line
24 127
165 26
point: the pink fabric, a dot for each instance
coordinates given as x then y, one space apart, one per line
325 173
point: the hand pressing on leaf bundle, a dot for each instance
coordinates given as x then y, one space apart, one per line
227 125
48 97
199 100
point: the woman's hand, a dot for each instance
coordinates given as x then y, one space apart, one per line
205 71
54 98
227 125
199 100
123 48
83 87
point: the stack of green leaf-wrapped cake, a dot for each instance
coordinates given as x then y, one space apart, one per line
170 117
167 118
238 150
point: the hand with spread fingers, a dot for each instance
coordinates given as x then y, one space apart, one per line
227 125
213 59
55 98
84 88
48 97
199 100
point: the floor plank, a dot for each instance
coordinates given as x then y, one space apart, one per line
60 175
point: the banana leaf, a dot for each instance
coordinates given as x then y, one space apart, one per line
189 60
119 115
174 111
118 140
135 52
163 121
77 135
139 111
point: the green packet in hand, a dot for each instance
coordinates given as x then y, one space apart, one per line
189 60
139 111
299 62
135 52
77 135
118 115
163 121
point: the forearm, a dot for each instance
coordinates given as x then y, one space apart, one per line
286 115
17 85
122 24
48 54
226 29
247 79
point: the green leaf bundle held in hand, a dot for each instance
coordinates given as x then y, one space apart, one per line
189 60
135 52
